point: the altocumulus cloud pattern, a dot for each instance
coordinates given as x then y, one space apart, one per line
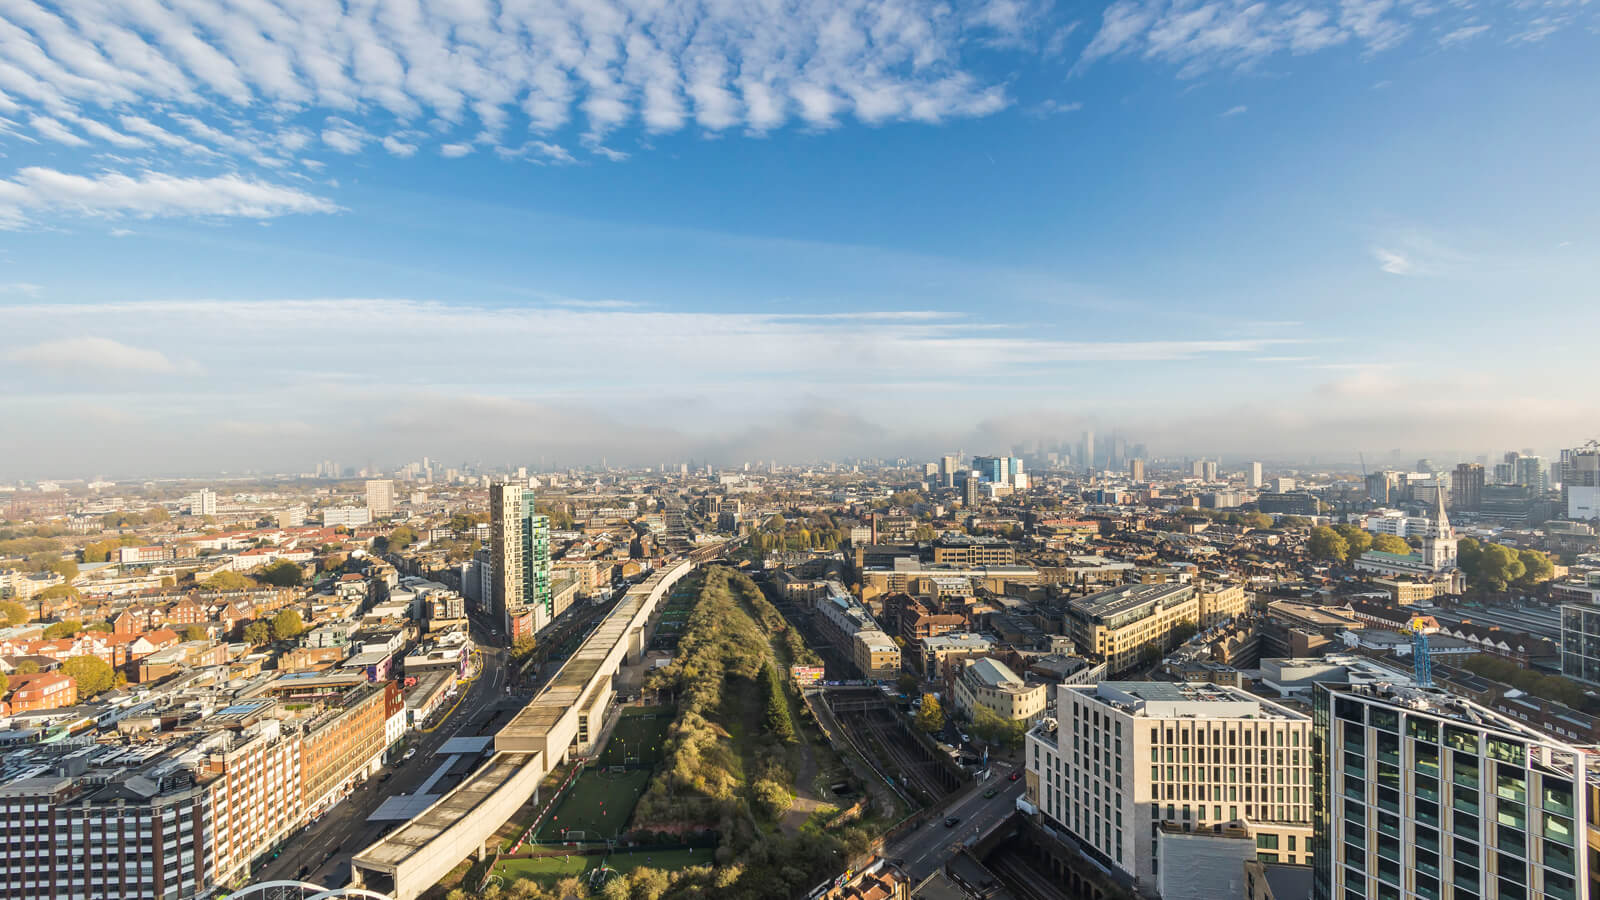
206 107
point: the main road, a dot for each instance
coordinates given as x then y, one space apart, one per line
320 852
924 849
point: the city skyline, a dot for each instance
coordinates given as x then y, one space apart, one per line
862 233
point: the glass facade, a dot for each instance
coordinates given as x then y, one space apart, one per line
1580 642
1415 802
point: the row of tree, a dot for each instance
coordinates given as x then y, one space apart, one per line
1345 543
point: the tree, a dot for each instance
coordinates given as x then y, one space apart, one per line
58 591
257 633
523 647
1498 566
63 629
1359 539
1325 543
907 682
14 613
931 717
402 537
287 624
996 729
282 573
229 580
196 633
90 673
1256 520
1536 566
1388 543
778 721
27 667
5 682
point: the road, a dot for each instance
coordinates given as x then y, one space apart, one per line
926 848
323 848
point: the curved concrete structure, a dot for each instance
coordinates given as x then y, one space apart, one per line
308 891
418 854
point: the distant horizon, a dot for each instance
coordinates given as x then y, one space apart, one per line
1393 460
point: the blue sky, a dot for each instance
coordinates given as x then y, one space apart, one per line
258 233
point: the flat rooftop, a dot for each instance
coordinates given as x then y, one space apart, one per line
409 838
1127 598
1172 700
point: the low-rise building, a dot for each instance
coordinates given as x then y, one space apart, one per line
876 655
990 684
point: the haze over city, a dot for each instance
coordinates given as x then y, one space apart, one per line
799 450
239 234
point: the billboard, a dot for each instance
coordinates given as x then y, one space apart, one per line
806 675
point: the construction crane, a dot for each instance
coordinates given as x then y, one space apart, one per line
1421 659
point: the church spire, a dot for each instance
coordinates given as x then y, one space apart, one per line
1441 518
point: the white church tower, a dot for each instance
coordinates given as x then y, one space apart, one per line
1439 544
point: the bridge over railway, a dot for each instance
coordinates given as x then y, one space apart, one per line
413 858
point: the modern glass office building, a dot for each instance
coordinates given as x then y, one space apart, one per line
1420 795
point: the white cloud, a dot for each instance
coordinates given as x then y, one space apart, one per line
56 131
1198 36
1235 111
95 353
1462 34
21 287
35 190
1393 262
1049 108
344 136
399 148
667 67
455 151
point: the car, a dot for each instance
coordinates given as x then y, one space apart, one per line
409 753
990 793
965 739
1014 776
952 821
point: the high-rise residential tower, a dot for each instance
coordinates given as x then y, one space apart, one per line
380 498
1421 795
519 545
1255 475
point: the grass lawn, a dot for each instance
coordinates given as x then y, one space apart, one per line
640 735
598 804
554 868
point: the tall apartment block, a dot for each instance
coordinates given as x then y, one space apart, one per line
1125 761
519 547
380 498
1421 795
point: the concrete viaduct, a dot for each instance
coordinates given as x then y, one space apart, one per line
414 857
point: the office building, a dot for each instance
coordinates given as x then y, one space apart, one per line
1255 475
1221 602
1128 760
1421 795
1287 503
1529 473
380 498
990 684
519 546
1132 623
1580 632
1136 470
1466 488
1580 482
1086 451
955 549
